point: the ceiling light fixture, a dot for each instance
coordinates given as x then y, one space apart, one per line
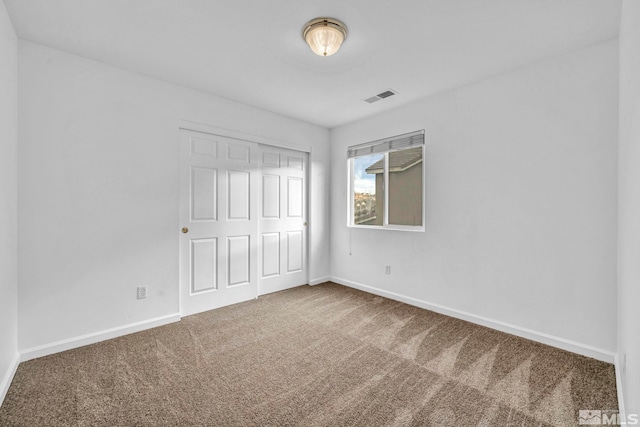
324 35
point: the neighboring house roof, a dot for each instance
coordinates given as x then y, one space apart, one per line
398 161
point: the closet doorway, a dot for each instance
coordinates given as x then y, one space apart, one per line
243 220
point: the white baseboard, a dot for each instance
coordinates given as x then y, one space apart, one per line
70 343
319 280
564 344
8 377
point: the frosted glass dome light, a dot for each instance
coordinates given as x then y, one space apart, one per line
324 35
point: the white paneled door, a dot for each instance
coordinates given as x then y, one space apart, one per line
283 223
243 210
219 219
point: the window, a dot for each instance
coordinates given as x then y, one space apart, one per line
386 183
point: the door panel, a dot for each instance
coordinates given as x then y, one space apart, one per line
218 256
239 258
270 196
295 161
271 160
283 211
237 152
204 259
294 197
204 194
294 251
239 194
204 147
270 254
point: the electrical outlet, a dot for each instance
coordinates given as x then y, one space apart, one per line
387 269
142 292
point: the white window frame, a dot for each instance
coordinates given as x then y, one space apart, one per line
388 143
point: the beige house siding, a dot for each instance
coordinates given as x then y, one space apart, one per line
405 196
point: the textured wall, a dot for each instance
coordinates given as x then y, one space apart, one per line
99 192
629 208
521 200
8 198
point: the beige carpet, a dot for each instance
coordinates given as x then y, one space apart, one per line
311 356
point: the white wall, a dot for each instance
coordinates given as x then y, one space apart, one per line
98 201
629 205
521 182
8 200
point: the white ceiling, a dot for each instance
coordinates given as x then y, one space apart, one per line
252 51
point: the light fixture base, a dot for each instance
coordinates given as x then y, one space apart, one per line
325 35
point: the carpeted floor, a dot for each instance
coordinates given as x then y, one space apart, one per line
311 356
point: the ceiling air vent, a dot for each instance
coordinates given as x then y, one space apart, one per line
380 96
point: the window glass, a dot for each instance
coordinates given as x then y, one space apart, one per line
405 187
368 189
391 177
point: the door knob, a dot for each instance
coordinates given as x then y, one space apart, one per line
185 230
305 223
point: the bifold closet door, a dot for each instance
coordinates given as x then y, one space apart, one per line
283 219
218 220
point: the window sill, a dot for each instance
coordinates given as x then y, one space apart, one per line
389 227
